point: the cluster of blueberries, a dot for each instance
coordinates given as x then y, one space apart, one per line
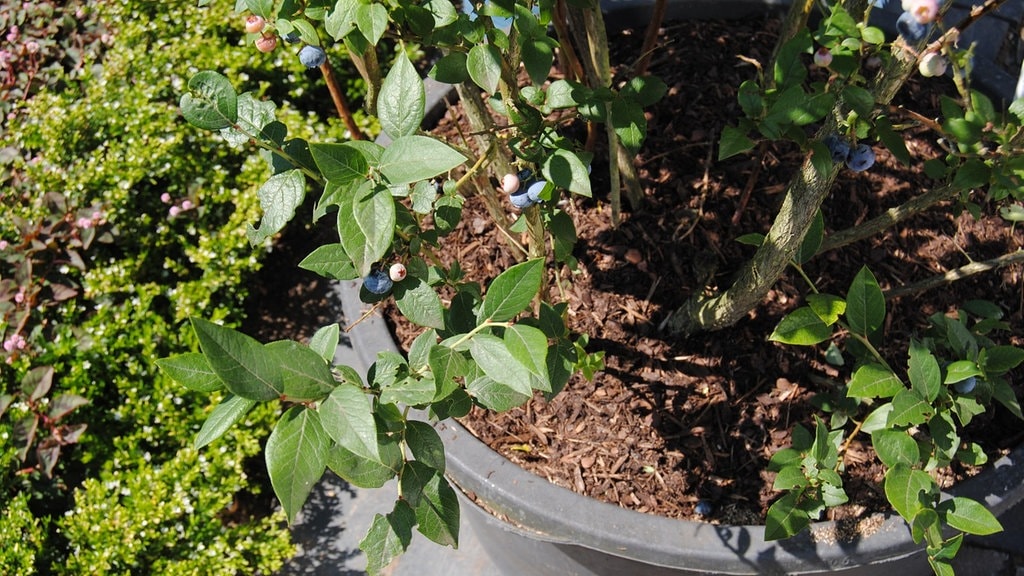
857 159
379 281
523 189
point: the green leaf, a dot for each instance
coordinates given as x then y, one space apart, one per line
906 489
1002 359
239 361
192 371
629 123
865 304
446 365
942 430
537 55
342 19
450 69
910 409
874 381
307 376
347 416
733 141
924 372
961 370
296 457
412 158
893 141
1005 395
325 341
402 99
330 261
366 225
497 362
785 518
230 410
789 68
211 103
828 307
969 516
372 21
340 164
484 66
425 444
255 118
565 94
366 472
646 90
565 170
388 537
437 512
877 419
530 347
279 196
790 477
495 395
802 327
859 99
419 303
895 447
973 173
512 291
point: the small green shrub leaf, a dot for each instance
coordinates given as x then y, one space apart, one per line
451 68
330 261
537 57
402 99
785 518
733 141
325 341
924 372
340 164
307 376
904 488
865 304
530 347
388 537
342 19
827 306
366 225
565 170
892 140
790 477
495 359
512 291
211 103
239 361
347 416
969 516
484 66
630 123
895 447
279 196
1002 359
412 158
296 457
495 395
366 472
372 21
910 409
446 365
255 118
802 327
961 370
874 381
565 94
192 371
437 512
425 444
419 303
229 411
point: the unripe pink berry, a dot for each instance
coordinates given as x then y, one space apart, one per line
266 43
510 183
924 11
823 57
187 205
397 272
932 64
254 24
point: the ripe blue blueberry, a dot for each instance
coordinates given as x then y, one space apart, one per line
861 158
838 147
292 38
534 189
312 56
703 508
521 199
966 386
378 282
910 29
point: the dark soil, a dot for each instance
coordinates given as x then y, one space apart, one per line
671 421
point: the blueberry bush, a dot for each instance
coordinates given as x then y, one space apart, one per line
395 200
116 226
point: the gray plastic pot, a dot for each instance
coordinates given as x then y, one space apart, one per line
546 530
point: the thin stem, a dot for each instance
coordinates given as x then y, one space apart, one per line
339 101
957 274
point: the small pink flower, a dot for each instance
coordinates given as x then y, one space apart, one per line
174 211
20 296
12 34
84 222
32 46
187 205
97 216
3 244
165 198
15 342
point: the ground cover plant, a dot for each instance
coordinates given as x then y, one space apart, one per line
115 223
825 93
